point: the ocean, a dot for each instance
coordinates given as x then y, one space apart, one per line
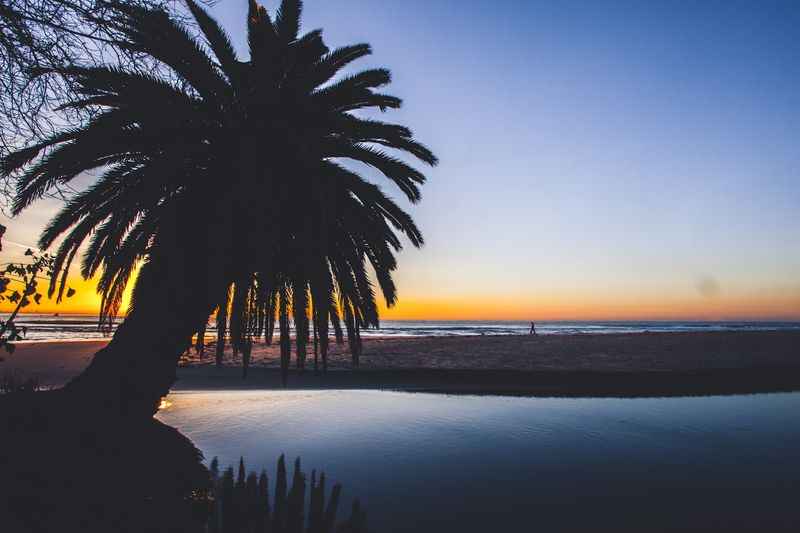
43 327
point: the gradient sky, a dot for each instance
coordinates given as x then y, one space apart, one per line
610 160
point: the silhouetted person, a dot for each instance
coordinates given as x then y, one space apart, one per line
533 329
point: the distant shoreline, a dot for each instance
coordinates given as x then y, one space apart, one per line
629 365
45 327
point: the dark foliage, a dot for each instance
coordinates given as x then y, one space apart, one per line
65 474
227 176
20 286
38 34
242 503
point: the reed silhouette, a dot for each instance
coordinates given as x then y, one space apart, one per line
229 182
241 503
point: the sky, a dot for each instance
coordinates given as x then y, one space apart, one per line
599 160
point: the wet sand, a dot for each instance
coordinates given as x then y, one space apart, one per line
641 364
51 363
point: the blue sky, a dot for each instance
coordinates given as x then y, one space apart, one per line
595 148
598 159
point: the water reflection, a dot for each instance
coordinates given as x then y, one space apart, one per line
472 463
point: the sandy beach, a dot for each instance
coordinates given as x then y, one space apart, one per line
604 365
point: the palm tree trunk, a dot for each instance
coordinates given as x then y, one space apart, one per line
137 368
177 289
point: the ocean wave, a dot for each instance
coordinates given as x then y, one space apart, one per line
75 327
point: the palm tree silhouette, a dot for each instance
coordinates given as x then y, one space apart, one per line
231 183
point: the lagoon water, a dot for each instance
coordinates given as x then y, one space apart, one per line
425 462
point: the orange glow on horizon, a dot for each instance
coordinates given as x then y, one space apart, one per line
86 300
557 305
593 307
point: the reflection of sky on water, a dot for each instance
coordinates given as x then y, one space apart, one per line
464 458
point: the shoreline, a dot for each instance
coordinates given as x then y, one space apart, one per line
579 365
534 384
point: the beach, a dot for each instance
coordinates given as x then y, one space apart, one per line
635 364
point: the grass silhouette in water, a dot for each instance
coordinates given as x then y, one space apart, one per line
241 503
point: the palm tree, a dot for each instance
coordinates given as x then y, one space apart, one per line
223 175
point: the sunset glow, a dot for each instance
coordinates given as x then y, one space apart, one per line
550 305
614 174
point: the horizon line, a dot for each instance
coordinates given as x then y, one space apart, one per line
538 320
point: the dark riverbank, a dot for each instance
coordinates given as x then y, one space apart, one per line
509 382
623 365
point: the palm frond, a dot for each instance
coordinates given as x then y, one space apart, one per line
404 176
287 19
261 34
330 65
154 33
217 39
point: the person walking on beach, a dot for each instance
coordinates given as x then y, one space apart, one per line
533 329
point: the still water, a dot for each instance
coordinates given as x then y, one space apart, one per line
425 462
